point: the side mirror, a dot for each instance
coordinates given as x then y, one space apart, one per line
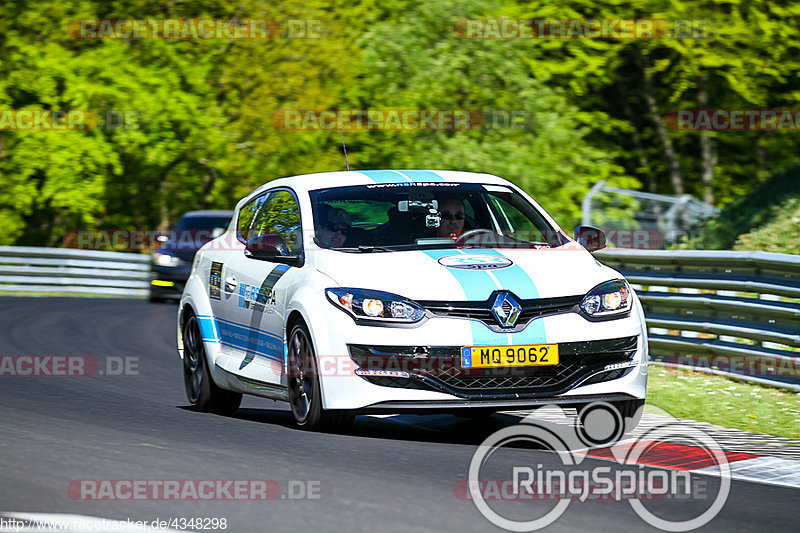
591 238
271 248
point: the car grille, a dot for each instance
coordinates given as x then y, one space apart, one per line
439 368
482 311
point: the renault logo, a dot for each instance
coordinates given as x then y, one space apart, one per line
506 309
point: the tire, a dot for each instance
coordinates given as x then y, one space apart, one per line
305 395
204 395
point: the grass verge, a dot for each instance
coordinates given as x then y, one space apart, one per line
719 400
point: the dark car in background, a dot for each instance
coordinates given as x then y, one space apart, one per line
172 263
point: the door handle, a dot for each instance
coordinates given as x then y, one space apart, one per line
230 284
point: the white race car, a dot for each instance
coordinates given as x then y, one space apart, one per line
420 291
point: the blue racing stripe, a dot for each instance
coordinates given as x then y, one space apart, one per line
422 175
385 176
250 340
515 279
208 328
477 285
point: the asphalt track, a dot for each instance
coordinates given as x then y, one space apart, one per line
392 474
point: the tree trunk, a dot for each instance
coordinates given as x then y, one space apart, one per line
652 108
652 186
708 147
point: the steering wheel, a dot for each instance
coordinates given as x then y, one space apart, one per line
464 237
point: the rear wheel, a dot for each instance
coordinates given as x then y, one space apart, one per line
202 392
305 396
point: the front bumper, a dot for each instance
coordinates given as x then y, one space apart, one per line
439 369
435 380
454 406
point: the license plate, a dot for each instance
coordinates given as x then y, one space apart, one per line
505 356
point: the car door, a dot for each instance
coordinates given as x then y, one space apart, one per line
255 291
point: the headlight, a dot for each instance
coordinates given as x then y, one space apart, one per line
611 299
165 260
377 307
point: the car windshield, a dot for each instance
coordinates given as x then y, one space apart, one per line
387 217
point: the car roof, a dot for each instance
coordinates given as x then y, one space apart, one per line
322 180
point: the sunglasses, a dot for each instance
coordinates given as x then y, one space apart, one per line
333 228
447 215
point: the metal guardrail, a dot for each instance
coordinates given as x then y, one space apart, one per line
70 271
731 313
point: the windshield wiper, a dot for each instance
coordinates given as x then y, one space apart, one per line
363 248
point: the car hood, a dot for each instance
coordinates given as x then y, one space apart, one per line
468 274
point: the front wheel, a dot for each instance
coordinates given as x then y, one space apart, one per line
202 392
305 396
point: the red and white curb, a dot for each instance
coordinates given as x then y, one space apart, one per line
673 456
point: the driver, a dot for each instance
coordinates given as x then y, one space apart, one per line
451 211
332 233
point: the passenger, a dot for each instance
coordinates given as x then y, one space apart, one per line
335 226
451 211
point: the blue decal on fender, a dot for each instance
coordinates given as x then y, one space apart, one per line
264 296
208 328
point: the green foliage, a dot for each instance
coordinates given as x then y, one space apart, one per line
781 234
415 63
203 109
771 206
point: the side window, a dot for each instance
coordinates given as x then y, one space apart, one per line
247 216
514 223
281 216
